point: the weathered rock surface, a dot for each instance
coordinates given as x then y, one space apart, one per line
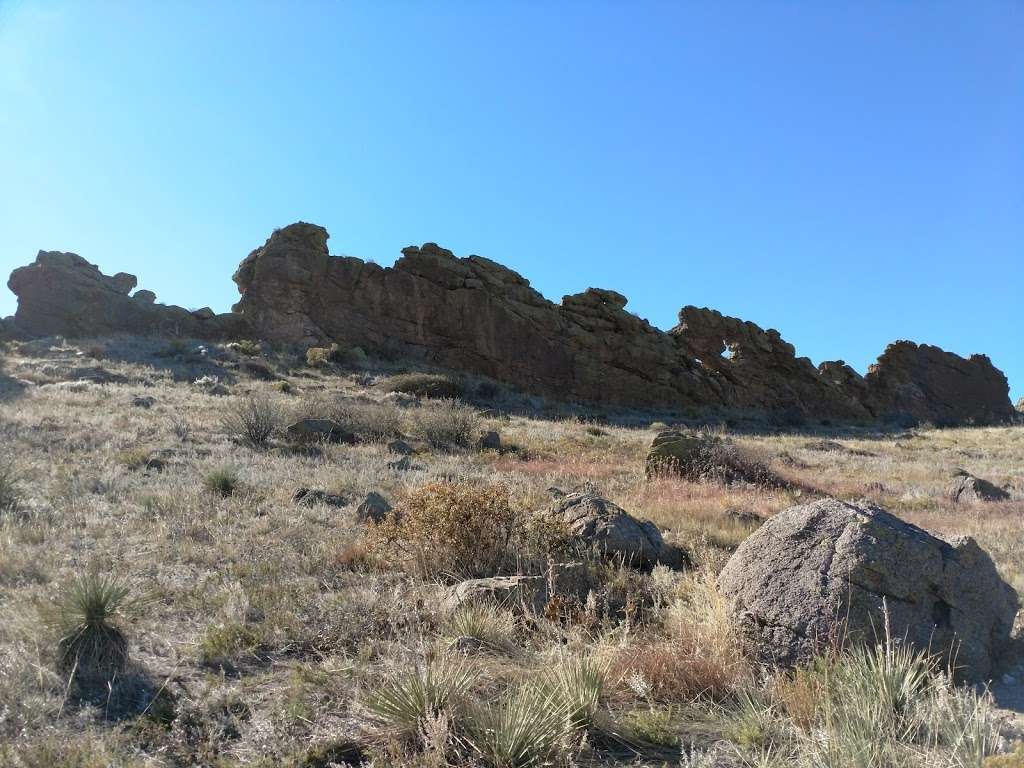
472 314
932 385
965 488
63 294
597 522
831 570
308 497
373 508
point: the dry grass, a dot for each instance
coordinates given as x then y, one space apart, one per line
268 621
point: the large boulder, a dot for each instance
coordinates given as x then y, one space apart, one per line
597 522
965 488
673 452
833 571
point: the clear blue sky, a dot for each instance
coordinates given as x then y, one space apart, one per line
849 173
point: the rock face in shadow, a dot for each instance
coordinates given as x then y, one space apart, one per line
63 294
932 385
834 572
474 315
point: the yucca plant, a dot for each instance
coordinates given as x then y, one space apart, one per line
222 481
522 731
92 649
576 686
408 699
491 625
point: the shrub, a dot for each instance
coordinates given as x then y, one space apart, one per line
222 481
222 643
456 530
406 701
253 420
10 489
92 649
370 422
246 347
447 424
318 357
433 385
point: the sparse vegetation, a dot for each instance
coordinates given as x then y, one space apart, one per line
431 385
10 488
447 424
253 419
222 481
274 626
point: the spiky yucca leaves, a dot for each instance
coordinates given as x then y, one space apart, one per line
408 699
92 649
222 481
576 686
522 731
490 624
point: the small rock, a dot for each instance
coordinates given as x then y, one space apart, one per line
373 509
307 497
144 401
965 488
400 447
155 464
489 441
467 645
744 516
401 465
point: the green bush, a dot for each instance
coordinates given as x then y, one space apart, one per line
222 481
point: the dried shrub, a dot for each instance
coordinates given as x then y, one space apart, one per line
369 421
253 420
432 385
447 424
454 530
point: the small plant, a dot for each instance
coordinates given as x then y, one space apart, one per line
247 347
491 625
447 424
576 686
405 702
181 427
92 649
284 387
431 385
224 642
457 530
132 458
222 481
653 726
253 420
10 489
524 730
318 357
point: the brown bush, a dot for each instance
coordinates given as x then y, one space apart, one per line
454 530
434 385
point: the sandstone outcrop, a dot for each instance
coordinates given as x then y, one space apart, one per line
930 384
474 315
63 294
832 571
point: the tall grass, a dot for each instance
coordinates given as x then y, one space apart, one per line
253 420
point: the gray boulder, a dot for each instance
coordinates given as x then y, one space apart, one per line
372 509
830 571
595 521
308 497
673 452
965 488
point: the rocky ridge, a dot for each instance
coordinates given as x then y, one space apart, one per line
475 315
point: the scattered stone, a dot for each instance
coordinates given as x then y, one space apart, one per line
832 446
597 522
144 401
965 488
503 590
401 448
307 497
319 430
555 493
830 571
372 509
403 464
155 464
489 441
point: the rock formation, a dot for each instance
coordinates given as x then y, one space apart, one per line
472 314
63 294
830 571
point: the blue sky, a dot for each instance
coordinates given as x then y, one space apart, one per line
849 173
